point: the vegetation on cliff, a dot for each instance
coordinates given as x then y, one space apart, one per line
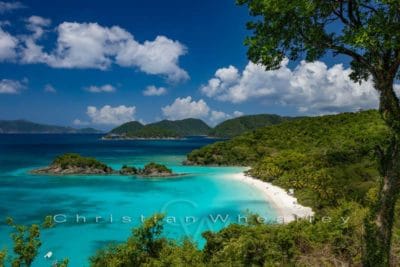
236 126
325 159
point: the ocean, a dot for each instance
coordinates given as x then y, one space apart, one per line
94 211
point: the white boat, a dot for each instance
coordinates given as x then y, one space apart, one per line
48 255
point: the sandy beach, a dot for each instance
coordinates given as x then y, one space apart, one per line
285 205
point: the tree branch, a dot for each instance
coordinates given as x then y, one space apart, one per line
357 57
369 7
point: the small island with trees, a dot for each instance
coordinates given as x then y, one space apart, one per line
75 164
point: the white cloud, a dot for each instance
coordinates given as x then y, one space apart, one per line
37 26
107 88
111 115
48 88
90 45
183 108
12 86
310 87
154 91
218 116
154 57
10 6
8 45
237 113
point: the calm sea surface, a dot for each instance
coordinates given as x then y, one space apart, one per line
191 202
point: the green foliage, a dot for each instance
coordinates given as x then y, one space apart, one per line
144 245
186 127
175 254
128 128
63 263
334 238
155 131
155 168
240 125
330 239
163 129
128 170
3 255
26 243
325 159
75 160
48 222
366 31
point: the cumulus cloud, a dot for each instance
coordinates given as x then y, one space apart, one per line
109 115
48 88
310 87
12 86
237 113
10 6
218 116
90 45
107 88
8 45
37 26
154 57
154 91
183 108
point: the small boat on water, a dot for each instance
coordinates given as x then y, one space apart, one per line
48 255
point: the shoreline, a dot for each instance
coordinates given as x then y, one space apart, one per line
285 205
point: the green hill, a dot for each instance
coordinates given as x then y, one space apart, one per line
237 126
162 129
27 127
186 127
325 159
128 128
154 131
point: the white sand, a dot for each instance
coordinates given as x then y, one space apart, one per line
284 204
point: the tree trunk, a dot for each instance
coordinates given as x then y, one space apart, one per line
379 223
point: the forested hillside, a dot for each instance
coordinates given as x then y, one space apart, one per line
325 159
237 126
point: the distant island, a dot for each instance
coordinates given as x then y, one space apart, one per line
28 127
150 170
164 129
167 129
75 164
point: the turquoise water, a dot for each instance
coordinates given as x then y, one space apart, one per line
190 202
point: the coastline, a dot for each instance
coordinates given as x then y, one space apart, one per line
285 205
141 138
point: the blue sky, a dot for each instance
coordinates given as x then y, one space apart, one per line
100 63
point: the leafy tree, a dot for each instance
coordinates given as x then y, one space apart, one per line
3 254
144 245
63 263
26 243
368 33
155 167
75 160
